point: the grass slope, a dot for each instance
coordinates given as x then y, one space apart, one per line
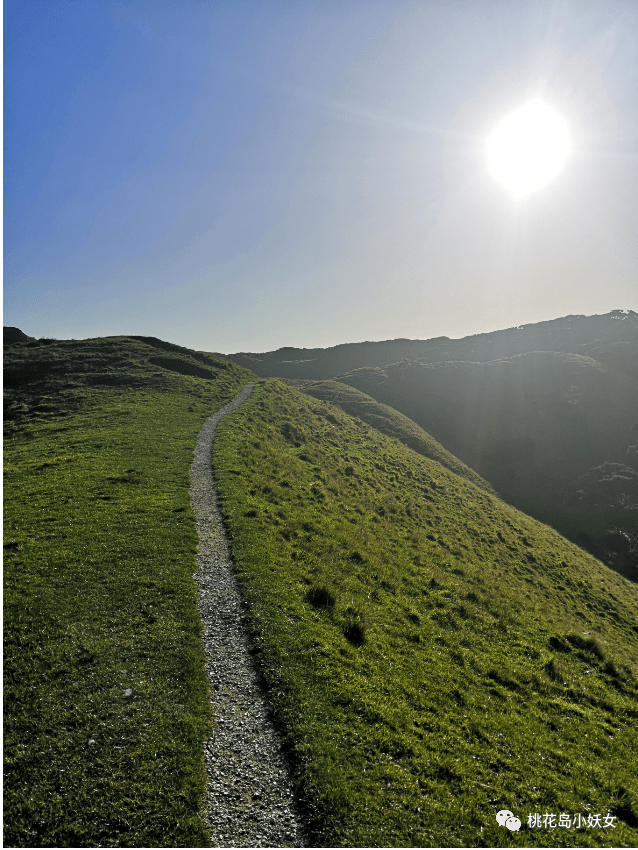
389 421
433 655
99 552
533 425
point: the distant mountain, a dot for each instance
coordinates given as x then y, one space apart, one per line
610 338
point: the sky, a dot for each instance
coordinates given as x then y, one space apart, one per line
246 175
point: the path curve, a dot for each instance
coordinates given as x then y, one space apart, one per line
249 802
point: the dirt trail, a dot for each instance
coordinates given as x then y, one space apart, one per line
249 801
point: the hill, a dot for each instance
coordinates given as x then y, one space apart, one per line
13 335
536 426
432 655
610 338
388 421
106 702
544 412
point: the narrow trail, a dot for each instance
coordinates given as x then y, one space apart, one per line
249 801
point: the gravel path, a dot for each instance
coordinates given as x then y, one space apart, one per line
249 802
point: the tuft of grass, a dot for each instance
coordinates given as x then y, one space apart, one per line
320 597
433 655
99 599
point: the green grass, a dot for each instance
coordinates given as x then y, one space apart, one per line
99 552
389 421
433 655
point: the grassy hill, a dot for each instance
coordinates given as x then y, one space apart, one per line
432 654
540 411
99 552
389 421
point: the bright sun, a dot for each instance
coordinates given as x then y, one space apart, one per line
528 148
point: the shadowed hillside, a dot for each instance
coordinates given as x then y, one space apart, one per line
12 335
536 426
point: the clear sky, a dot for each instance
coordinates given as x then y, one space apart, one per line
244 175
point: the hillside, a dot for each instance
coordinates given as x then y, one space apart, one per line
536 426
547 413
106 702
434 655
431 654
388 421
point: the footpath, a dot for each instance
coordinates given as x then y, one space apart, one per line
249 801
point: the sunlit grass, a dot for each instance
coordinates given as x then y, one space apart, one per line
99 552
434 655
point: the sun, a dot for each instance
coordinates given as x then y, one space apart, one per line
528 148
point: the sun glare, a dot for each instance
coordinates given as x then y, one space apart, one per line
528 148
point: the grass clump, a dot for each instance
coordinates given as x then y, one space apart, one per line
433 655
320 597
106 703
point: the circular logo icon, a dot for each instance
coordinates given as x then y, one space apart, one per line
508 819
513 824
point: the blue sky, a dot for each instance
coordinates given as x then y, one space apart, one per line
240 176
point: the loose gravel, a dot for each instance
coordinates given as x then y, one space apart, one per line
249 802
